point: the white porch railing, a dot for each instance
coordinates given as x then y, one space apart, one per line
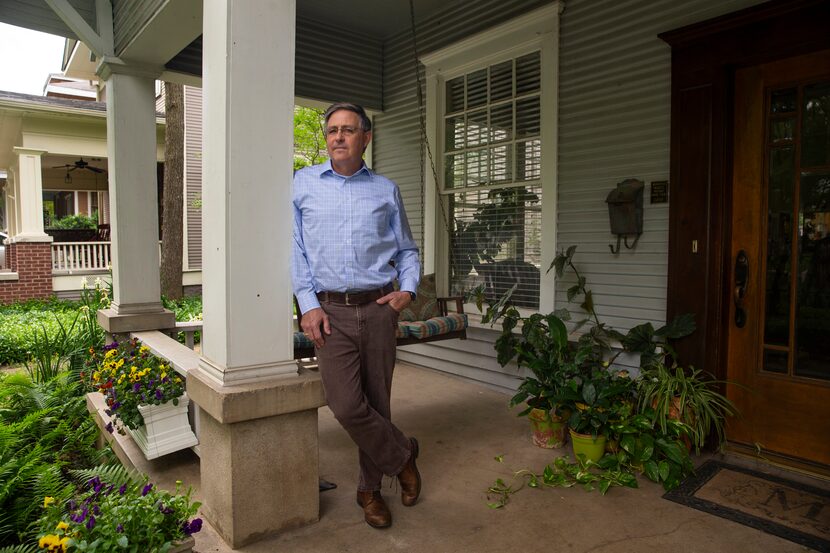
80 256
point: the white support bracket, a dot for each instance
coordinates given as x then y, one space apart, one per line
80 27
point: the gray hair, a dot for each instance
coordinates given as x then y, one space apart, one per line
365 122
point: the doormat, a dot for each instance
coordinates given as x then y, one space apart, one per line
796 512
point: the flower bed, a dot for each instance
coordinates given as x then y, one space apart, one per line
131 516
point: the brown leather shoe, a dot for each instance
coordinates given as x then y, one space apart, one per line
375 511
410 478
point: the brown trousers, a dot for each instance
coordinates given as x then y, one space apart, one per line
356 365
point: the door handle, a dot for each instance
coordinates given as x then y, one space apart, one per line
741 280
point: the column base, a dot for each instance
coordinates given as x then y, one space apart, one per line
258 455
122 323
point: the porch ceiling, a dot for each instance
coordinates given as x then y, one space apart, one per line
38 16
379 20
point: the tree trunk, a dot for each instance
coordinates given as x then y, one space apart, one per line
173 195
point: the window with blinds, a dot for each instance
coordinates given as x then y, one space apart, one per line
492 178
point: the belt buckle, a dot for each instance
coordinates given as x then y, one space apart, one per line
347 297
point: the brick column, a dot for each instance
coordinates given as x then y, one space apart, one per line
31 272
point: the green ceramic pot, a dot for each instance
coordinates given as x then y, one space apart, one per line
592 448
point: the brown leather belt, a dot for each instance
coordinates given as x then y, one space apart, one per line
354 298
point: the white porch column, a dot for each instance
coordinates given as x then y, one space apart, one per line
11 201
131 151
258 441
246 190
29 197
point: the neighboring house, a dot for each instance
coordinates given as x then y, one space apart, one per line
534 111
68 126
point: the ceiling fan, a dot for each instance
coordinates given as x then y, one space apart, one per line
80 164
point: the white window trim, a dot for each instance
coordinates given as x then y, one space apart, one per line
535 30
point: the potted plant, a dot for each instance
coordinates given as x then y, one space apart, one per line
121 513
542 348
573 380
597 398
687 396
144 393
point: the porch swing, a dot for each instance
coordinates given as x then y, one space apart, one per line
428 319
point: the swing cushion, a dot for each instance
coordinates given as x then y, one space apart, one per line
434 326
425 305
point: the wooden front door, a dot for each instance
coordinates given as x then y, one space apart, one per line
779 328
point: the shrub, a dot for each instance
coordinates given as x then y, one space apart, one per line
79 221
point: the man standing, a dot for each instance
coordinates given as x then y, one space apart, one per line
351 240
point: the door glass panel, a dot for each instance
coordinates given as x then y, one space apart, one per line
815 129
782 129
813 315
784 101
775 361
779 246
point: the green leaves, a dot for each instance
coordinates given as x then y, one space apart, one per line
680 326
562 473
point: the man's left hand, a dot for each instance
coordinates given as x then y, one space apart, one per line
397 300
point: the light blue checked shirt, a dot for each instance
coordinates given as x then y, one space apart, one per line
346 230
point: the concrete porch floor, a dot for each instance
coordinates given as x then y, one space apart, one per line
461 426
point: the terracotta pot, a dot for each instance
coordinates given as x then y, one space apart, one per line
674 414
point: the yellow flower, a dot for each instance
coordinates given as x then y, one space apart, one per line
64 542
48 541
48 500
110 354
143 349
581 406
62 526
164 374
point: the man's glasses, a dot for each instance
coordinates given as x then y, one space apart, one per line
346 130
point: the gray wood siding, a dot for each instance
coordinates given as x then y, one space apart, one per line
357 68
193 174
614 118
129 17
614 121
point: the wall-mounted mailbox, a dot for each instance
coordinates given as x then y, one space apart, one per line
625 209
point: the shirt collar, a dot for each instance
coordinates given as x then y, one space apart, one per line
327 168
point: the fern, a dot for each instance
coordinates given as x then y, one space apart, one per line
23 548
115 474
